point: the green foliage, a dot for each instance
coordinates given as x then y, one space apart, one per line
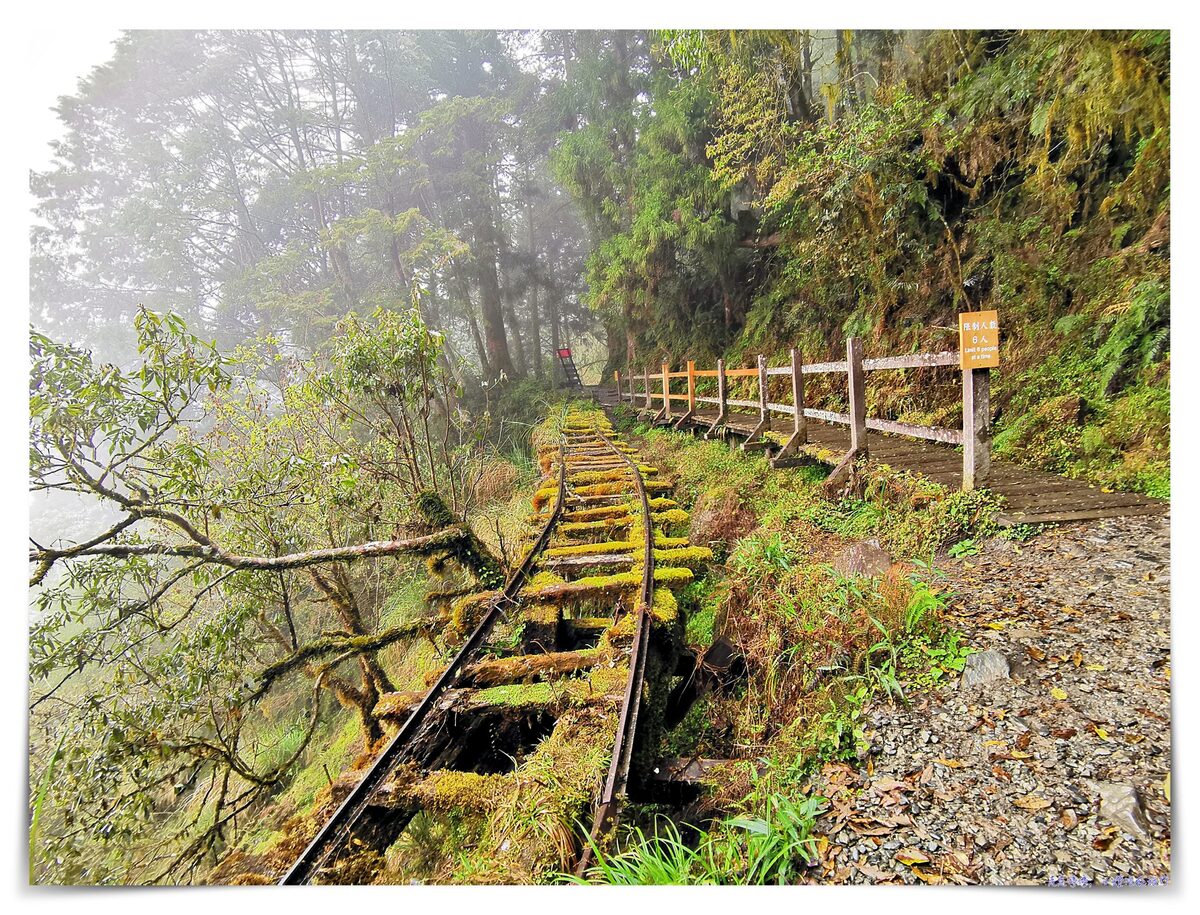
701 601
1026 171
148 640
760 557
963 548
772 847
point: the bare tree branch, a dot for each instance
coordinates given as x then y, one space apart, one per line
214 554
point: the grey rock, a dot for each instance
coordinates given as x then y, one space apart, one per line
865 558
983 667
1121 806
1023 633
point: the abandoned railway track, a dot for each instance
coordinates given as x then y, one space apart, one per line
538 723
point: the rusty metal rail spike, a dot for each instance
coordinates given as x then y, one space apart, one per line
335 833
608 810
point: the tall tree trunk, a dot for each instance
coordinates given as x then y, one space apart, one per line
491 302
555 328
518 345
535 321
847 85
484 365
806 70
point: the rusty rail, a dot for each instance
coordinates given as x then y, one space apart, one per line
337 834
337 830
608 809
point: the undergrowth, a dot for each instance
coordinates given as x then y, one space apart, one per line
820 645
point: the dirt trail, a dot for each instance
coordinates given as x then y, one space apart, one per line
1020 779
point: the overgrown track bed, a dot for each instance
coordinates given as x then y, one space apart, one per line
536 725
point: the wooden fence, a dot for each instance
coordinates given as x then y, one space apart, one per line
975 436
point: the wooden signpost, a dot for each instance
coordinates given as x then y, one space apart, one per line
978 340
978 354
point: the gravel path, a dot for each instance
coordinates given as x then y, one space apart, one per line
1059 770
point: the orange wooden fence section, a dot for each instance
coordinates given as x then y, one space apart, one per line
975 436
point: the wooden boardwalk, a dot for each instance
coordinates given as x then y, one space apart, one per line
1031 496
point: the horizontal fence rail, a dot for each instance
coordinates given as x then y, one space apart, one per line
975 435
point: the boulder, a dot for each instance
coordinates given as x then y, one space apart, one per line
1121 806
983 667
720 518
865 558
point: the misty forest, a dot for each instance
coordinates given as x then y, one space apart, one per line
326 326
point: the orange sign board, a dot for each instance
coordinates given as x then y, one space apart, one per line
978 340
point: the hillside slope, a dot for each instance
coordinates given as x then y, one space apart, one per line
795 188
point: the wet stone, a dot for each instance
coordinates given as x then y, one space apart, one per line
866 558
984 667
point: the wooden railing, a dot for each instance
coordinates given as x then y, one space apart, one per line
975 436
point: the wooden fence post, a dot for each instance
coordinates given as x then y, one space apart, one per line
858 397
799 421
617 379
977 428
755 440
691 395
666 376
722 398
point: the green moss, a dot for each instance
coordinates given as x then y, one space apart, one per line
689 556
540 614
545 496
663 542
433 510
587 549
664 606
598 476
580 527
605 511
589 585
544 578
445 791
670 516
516 694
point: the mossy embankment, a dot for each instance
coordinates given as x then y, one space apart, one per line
819 644
1026 171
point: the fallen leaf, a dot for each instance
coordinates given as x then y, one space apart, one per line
1104 842
870 828
1077 657
1036 653
1095 667
952 763
1024 740
911 856
1063 733
1031 802
926 877
1020 754
1058 693
874 872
